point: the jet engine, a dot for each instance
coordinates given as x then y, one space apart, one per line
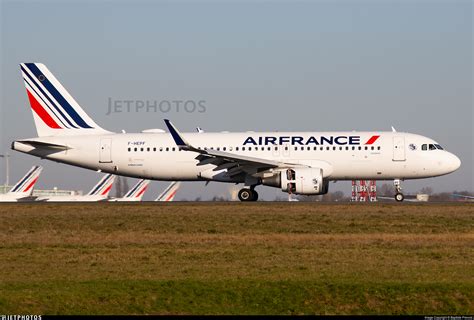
307 181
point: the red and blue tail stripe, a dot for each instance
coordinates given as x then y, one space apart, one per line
50 101
54 109
138 190
28 181
104 185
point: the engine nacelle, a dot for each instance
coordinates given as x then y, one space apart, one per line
307 181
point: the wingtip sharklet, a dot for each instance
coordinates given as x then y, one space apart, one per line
178 139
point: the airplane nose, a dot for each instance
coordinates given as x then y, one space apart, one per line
454 162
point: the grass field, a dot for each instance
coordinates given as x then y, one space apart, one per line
234 258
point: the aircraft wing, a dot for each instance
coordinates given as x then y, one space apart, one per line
235 163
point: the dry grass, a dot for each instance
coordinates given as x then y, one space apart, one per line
334 258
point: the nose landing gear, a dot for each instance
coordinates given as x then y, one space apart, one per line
398 187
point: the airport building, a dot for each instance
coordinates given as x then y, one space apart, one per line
52 192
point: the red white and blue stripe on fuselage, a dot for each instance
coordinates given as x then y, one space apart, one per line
50 102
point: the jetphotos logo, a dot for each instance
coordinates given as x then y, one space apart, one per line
311 140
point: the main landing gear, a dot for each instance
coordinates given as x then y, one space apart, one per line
398 188
248 194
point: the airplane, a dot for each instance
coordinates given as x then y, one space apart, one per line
170 192
135 194
99 192
462 196
295 162
410 199
23 190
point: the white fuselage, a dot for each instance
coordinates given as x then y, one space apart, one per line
341 155
15 198
78 198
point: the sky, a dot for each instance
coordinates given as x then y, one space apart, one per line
252 65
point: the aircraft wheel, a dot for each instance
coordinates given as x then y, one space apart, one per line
399 197
254 195
246 195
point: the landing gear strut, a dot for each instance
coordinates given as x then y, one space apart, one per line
248 195
398 188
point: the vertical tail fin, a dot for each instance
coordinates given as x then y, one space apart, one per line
54 110
103 187
137 192
170 192
26 184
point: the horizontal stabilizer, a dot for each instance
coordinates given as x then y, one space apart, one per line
43 145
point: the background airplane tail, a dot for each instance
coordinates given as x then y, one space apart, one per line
170 192
25 186
137 192
55 111
103 187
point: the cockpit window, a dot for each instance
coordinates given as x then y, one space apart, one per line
431 146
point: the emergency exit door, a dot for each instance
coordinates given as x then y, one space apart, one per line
105 153
399 149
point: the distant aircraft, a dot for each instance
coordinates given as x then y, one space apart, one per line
134 194
170 192
415 199
23 190
100 192
468 198
295 162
